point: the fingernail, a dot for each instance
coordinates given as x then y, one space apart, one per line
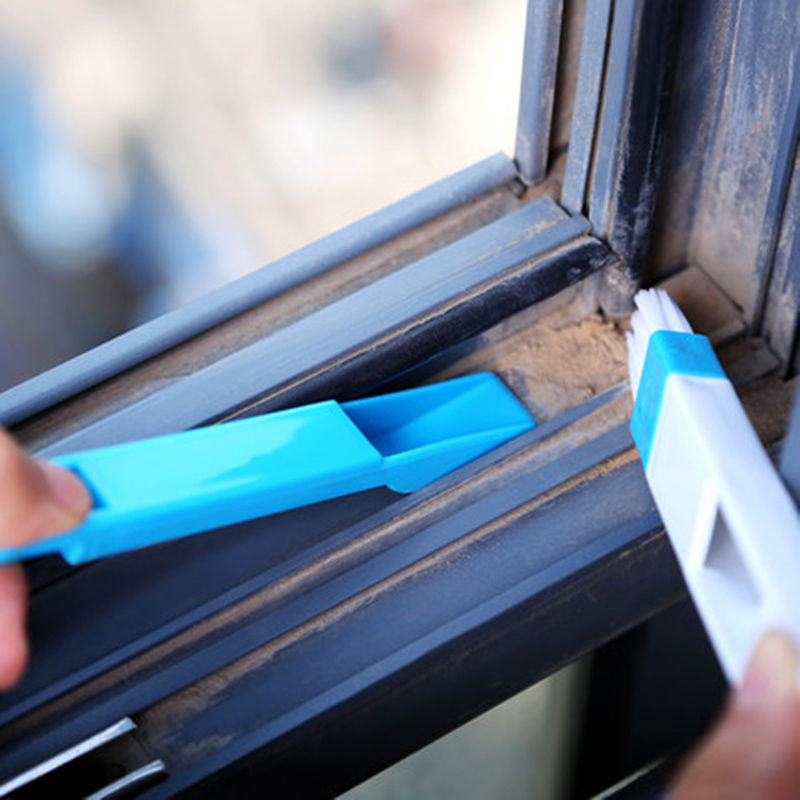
771 677
66 490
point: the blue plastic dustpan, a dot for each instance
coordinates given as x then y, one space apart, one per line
163 488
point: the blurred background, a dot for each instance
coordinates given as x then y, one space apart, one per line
151 151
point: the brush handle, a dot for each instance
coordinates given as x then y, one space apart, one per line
731 521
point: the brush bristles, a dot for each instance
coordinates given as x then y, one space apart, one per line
656 311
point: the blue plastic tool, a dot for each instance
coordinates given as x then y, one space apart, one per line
163 488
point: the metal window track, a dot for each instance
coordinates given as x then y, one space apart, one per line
375 332
152 614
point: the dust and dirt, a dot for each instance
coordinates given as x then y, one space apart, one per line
553 366
768 403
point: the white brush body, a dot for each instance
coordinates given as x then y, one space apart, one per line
730 519
733 525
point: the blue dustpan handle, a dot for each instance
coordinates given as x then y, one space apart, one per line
170 486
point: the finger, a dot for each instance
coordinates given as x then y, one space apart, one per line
36 498
754 750
13 639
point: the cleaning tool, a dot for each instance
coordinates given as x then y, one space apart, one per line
162 488
731 521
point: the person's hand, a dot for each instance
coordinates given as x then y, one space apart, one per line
36 499
754 749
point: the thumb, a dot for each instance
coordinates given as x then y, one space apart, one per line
36 498
754 749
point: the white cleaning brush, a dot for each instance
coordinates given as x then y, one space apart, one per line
731 521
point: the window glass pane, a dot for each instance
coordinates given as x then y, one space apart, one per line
523 748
